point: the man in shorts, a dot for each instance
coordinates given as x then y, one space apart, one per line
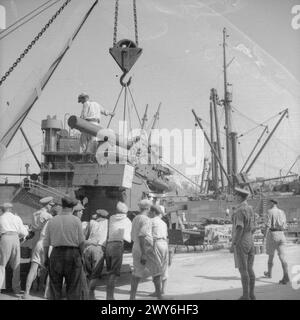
40 220
145 261
275 226
119 229
243 243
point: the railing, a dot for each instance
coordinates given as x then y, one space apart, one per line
42 190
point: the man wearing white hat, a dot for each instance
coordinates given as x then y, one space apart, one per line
243 242
145 261
92 112
119 230
11 230
95 232
39 221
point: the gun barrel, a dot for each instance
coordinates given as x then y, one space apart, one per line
101 133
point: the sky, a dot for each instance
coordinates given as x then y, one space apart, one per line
180 63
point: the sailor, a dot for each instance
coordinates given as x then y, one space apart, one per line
275 239
92 112
145 261
64 233
11 230
119 229
40 217
40 220
160 243
243 242
95 232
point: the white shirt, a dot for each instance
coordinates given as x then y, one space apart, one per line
159 228
141 227
40 218
12 223
119 228
97 230
92 110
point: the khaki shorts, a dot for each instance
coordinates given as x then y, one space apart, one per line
244 256
275 241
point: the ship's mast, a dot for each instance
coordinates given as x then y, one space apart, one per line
230 137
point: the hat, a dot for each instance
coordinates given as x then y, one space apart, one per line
47 200
241 191
145 204
121 207
83 95
68 202
6 205
102 213
78 207
274 201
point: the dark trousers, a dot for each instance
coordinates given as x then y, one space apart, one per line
65 264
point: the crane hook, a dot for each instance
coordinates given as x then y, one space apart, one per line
125 84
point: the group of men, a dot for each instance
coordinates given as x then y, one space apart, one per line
73 252
244 225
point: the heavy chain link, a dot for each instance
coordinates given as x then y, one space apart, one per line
135 23
116 23
33 42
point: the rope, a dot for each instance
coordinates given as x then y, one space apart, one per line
28 20
115 106
135 107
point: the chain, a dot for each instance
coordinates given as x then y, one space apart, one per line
33 42
135 23
116 23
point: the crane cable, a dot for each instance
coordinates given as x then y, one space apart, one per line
116 23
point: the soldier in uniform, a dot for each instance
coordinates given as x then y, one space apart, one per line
243 243
275 226
39 221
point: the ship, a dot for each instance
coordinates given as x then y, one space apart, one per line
65 171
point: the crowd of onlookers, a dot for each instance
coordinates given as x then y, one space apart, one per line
72 253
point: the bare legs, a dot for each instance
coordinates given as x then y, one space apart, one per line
30 278
110 287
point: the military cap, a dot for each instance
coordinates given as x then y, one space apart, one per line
47 200
274 201
6 205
